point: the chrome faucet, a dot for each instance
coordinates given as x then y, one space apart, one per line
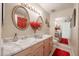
15 37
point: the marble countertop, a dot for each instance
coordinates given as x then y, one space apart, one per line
12 48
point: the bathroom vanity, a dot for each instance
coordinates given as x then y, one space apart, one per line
41 48
30 47
22 18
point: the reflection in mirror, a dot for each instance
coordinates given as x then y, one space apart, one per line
20 17
62 28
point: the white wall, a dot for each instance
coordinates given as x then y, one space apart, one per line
0 18
75 39
66 30
74 34
62 13
0 26
78 29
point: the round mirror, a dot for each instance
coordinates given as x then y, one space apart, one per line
39 19
20 17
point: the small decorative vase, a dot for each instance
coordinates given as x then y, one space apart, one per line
35 35
35 26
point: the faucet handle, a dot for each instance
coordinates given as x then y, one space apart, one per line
15 34
15 37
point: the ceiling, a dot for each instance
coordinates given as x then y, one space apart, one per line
52 7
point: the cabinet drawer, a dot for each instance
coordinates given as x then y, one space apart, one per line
24 52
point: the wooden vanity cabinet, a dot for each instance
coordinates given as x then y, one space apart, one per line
25 52
38 52
47 47
51 44
34 50
42 48
37 49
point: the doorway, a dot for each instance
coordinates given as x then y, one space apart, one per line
62 29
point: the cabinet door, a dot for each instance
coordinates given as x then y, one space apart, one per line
51 44
46 47
39 51
25 52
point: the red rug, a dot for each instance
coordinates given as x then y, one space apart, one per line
59 52
64 41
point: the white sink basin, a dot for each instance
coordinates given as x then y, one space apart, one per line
45 35
25 42
13 47
10 48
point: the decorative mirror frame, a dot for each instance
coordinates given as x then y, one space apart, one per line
47 23
2 5
73 21
74 17
13 12
41 19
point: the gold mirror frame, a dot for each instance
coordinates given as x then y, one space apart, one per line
13 17
40 17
